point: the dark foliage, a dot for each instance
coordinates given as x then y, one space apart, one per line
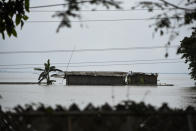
74 107
172 16
188 50
73 7
125 116
12 14
183 14
90 107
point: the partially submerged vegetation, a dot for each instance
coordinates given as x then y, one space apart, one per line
45 74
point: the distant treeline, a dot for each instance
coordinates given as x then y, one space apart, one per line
126 116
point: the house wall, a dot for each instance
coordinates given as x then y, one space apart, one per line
142 79
95 80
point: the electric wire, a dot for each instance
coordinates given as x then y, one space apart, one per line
82 2
88 50
52 5
92 62
33 72
98 10
101 20
99 65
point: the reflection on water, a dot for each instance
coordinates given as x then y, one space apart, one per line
181 95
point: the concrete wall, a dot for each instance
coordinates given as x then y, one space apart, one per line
95 80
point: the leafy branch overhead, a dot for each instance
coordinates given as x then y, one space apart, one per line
172 16
12 14
188 50
72 8
169 20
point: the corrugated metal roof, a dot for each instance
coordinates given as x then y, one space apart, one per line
102 73
96 73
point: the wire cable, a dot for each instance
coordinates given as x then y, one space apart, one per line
98 10
88 50
33 72
82 2
45 6
100 20
54 5
128 64
98 65
92 62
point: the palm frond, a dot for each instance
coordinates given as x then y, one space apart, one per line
41 80
42 75
52 67
48 62
59 70
39 69
54 75
56 70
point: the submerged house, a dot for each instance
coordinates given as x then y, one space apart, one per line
137 78
109 78
95 78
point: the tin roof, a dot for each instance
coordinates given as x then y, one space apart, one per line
96 73
100 73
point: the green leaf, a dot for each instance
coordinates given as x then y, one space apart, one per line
42 75
54 75
14 32
18 19
56 70
41 80
8 33
38 69
25 17
27 5
22 24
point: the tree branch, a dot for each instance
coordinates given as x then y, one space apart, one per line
175 6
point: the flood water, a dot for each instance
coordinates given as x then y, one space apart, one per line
181 95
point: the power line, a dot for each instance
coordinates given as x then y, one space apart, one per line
97 65
128 64
95 10
93 62
7 71
167 73
62 4
88 50
81 2
45 6
101 20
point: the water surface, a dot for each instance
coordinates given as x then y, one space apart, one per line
181 95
